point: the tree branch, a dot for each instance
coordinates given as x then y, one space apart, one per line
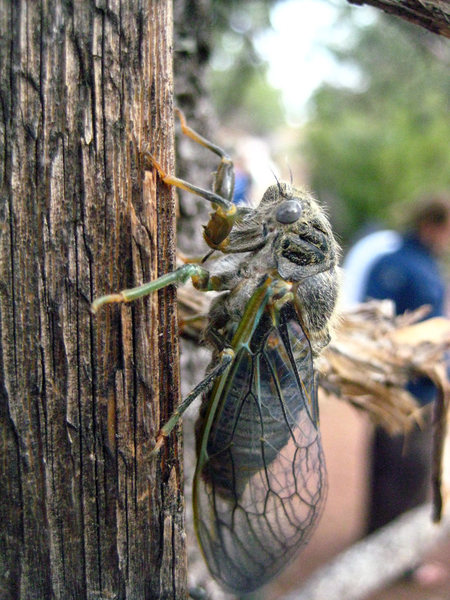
433 15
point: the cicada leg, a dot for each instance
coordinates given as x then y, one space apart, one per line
202 281
225 358
198 274
221 221
212 197
224 177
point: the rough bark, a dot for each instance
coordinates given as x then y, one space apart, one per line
85 512
433 15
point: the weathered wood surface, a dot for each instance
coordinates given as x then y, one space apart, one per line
85 513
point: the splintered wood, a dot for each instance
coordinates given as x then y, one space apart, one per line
372 355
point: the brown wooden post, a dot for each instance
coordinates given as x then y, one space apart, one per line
84 512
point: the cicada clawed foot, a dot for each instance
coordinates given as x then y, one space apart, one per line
162 435
108 299
150 162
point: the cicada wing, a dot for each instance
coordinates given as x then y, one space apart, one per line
261 488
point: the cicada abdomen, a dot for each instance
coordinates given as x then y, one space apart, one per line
260 483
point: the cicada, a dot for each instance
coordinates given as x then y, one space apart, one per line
260 479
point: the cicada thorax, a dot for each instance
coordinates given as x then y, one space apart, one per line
260 483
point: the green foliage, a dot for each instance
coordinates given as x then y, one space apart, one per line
388 141
245 99
237 79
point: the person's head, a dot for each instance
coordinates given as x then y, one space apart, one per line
430 222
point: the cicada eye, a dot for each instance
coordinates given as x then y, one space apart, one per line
288 212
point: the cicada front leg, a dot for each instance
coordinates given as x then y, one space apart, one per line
224 176
221 197
151 162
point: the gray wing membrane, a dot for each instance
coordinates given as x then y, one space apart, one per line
262 488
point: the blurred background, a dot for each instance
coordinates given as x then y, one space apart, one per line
351 103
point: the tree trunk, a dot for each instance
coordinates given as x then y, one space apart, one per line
85 513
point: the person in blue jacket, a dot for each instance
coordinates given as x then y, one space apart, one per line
410 276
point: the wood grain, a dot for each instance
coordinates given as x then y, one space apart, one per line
85 512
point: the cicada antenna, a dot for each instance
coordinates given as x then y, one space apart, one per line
280 189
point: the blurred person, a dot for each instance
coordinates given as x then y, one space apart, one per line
242 183
360 259
410 276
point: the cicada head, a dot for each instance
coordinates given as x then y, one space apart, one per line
303 242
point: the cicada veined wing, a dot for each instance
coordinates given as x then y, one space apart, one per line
260 486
